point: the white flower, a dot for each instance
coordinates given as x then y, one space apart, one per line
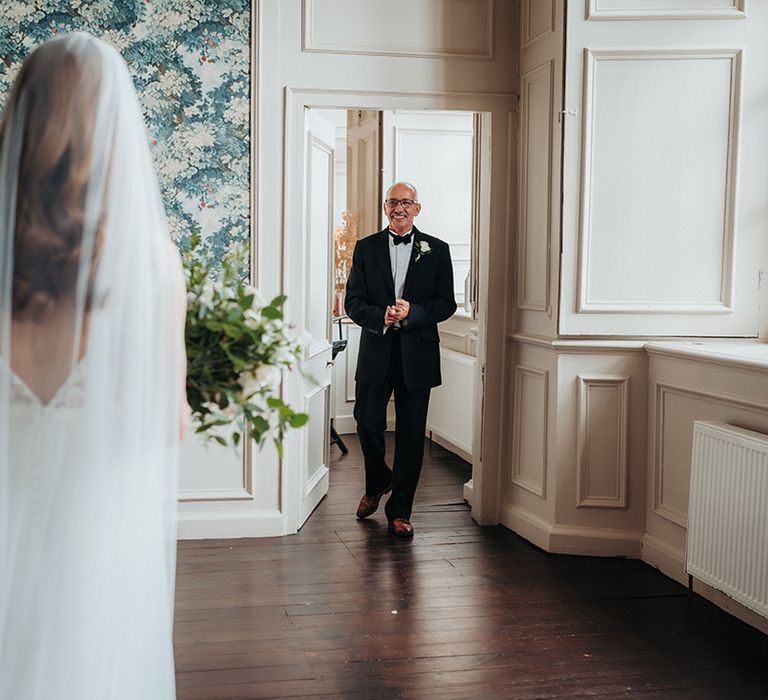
206 296
265 377
423 249
19 11
268 376
258 298
171 82
238 110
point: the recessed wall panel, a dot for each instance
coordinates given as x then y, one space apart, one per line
602 457
537 91
538 20
665 9
319 224
529 437
659 151
462 28
317 427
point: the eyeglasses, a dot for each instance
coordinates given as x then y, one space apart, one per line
392 203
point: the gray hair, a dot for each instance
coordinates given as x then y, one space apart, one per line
405 184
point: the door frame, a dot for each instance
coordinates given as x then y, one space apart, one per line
498 119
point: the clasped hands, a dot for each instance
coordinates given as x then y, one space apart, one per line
398 312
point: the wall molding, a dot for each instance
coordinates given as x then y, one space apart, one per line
310 43
214 524
579 347
665 10
535 487
700 353
724 305
571 539
213 495
545 72
530 37
584 497
661 391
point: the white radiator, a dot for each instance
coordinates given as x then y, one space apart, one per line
451 405
728 512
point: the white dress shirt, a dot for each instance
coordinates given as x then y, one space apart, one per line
400 257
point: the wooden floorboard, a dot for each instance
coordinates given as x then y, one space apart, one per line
343 610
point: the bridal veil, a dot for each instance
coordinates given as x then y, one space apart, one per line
91 383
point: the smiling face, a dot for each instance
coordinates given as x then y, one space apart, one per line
400 213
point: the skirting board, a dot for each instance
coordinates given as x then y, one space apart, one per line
346 425
448 445
229 524
671 562
571 539
665 558
468 492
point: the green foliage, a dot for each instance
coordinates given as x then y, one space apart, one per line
237 347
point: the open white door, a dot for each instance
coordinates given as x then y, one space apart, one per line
318 228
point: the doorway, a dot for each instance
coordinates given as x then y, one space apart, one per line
444 152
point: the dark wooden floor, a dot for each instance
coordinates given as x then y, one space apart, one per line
343 610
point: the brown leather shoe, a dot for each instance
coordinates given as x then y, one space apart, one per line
369 504
401 527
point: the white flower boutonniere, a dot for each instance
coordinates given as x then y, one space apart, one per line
422 248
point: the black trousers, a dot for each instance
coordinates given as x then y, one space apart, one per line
410 422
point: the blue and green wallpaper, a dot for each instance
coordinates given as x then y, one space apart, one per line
190 62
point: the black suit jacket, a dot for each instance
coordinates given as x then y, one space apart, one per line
428 288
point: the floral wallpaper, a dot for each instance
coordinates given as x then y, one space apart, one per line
190 63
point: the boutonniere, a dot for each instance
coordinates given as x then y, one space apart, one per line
422 248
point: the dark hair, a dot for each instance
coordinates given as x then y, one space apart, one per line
60 90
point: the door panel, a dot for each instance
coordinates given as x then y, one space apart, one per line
318 228
363 169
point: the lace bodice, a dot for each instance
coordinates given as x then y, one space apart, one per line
69 395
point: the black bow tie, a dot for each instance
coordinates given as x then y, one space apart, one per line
400 239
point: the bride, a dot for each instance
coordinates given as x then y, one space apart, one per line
91 387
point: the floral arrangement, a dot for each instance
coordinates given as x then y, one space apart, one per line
344 239
237 347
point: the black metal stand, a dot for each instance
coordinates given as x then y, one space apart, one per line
338 346
336 440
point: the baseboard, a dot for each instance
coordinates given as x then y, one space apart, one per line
665 558
346 425
596 541
571 539
468 492
731 606
671 562
528 525
199 525
458 450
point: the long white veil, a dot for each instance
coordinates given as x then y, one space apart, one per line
91 381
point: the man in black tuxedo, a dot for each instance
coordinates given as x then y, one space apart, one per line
400 287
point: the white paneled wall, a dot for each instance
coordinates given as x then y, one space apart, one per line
662 187
661 127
